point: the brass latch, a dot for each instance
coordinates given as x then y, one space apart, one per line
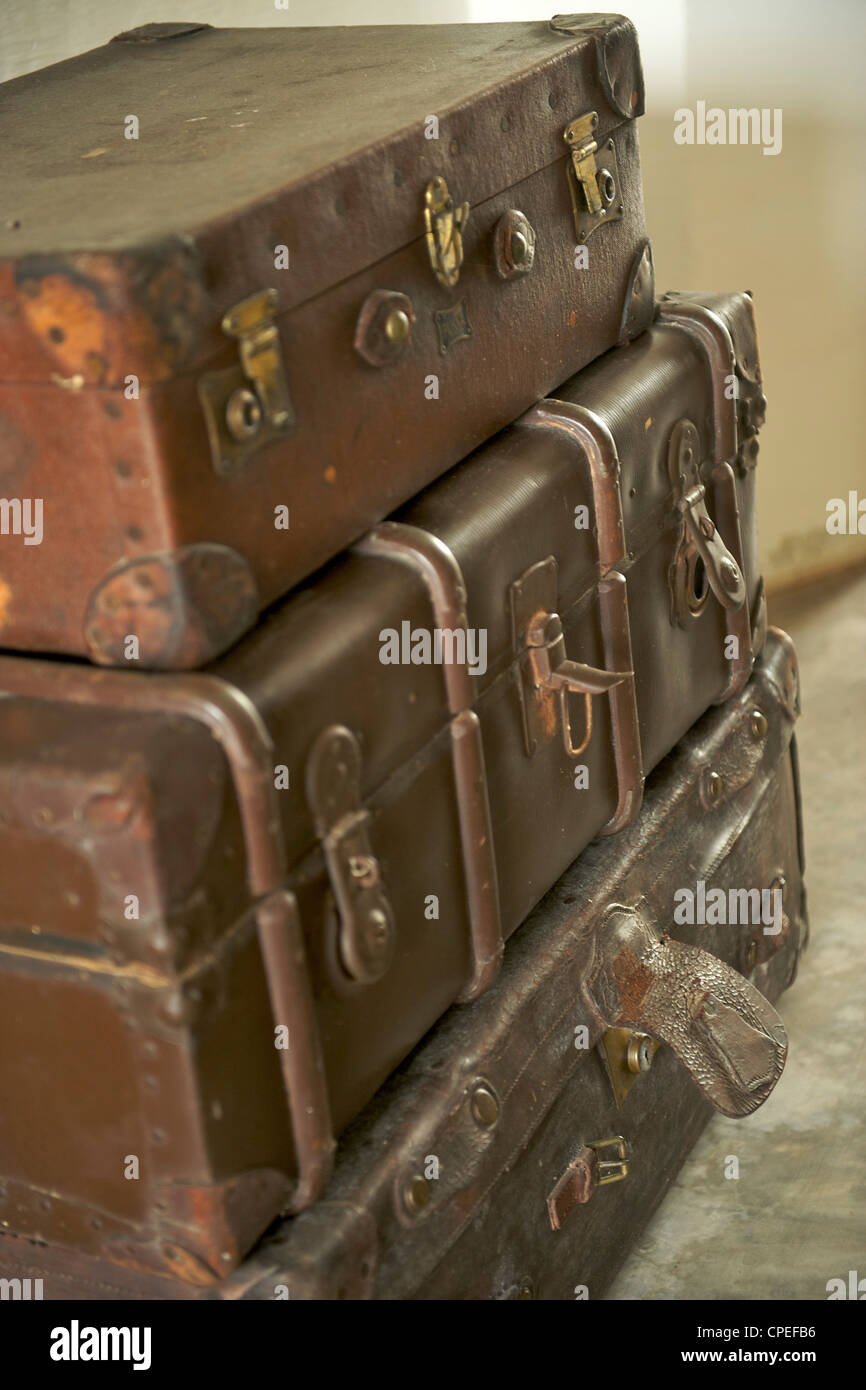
702 561
444 223
248 405
547 676
365 934
594 182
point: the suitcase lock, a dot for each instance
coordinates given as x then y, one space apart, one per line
596 196
366 921
248 405
547 676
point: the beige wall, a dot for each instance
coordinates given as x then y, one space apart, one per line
789 228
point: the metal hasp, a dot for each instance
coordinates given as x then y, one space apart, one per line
444 223
702 560
366 921
546 674
247 406
586 1172
593 176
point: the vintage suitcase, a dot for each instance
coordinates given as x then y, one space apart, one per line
259 287
526 1142
298 859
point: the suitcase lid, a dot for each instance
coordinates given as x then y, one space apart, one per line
147 178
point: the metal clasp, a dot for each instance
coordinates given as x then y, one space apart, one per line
611 1169
248 405
366 920
594 183
547 675
444 223
702 561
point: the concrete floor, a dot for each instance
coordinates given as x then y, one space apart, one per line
796 1217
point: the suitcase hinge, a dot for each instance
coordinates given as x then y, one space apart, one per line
366 922
702 562
249 405
546 675
593 182
444 223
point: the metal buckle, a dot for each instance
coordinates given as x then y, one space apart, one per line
248 405
444 223
613 1169
366 921
702 561
547 675
594 185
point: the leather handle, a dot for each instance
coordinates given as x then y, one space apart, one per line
721 1028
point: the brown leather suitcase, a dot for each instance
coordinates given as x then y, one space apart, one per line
261 286
524 1145
234 900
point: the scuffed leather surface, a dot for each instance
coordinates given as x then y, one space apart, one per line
485 1232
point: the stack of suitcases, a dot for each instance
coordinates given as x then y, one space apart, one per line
372 531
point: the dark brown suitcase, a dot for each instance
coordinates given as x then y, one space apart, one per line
306 846
327 265
527 1141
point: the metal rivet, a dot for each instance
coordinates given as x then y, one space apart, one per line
714 787
607 185
758 724
513 244
243 414
397 326
525 1291
484 1106
416 1194
384 327
519 247
376 933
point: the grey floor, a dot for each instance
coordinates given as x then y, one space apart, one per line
796 1217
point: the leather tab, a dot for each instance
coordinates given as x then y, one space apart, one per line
724 1032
